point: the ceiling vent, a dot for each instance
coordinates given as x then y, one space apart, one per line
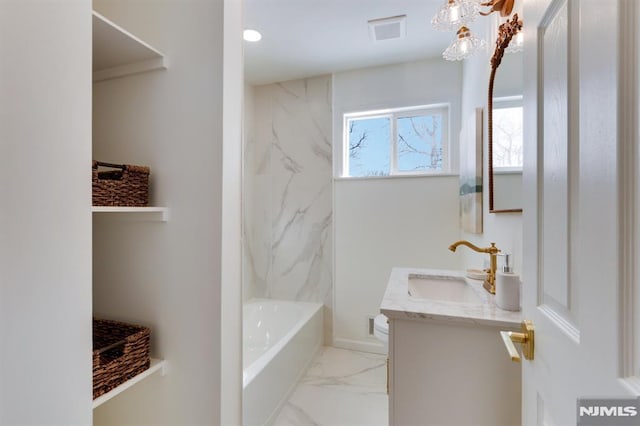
388 28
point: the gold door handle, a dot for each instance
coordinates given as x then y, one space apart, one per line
526 338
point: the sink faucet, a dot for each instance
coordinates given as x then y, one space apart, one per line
490 282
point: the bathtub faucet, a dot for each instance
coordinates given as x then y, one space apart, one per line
490 282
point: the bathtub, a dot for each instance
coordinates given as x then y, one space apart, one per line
280 338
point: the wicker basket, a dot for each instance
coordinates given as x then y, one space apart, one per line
128 186
120 352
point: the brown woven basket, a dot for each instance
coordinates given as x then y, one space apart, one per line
128 186
120 352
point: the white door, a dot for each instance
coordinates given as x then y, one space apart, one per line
580 242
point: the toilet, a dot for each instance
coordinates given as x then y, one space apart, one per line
381 329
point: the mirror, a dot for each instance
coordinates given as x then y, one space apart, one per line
504 125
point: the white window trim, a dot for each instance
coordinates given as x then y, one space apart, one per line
394 114
507 102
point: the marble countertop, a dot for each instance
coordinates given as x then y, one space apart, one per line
397 304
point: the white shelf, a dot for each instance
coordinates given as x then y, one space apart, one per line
157 365
117 53
161 213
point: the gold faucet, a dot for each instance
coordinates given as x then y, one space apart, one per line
489 283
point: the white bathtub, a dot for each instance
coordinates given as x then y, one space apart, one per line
280 339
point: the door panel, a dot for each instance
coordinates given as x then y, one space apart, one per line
630 201
544 416
573 235
555 158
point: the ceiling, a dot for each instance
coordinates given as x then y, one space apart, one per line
303 38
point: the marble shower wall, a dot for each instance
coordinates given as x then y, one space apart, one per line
288 192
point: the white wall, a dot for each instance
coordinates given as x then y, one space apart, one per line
167 275
505 229
382 223
230 324
509 77
45 216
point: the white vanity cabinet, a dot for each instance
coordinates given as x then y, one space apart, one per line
447 362
449 373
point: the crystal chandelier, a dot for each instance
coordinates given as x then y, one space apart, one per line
454 14
464 45
457 14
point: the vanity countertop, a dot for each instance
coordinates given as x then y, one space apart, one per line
397 304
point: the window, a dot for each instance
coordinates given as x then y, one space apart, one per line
507 133
403 141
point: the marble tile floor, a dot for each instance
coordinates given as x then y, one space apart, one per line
341 388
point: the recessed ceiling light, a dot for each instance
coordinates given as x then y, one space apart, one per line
251 35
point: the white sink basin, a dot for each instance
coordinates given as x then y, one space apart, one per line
443 288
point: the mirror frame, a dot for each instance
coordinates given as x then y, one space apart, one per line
506 31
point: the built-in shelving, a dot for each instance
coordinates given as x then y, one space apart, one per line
117 53
148 213
157 365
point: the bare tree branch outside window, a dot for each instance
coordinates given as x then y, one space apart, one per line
428 148
355 147
369 153
507 151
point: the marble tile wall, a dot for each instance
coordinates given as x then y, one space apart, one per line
288 193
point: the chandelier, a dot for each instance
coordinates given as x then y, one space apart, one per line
463 46
457 14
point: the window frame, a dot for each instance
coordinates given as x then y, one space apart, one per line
394 114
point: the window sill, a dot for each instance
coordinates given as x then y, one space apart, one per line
507 171
414 176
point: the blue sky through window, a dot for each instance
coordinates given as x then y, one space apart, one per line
420 143
369 149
